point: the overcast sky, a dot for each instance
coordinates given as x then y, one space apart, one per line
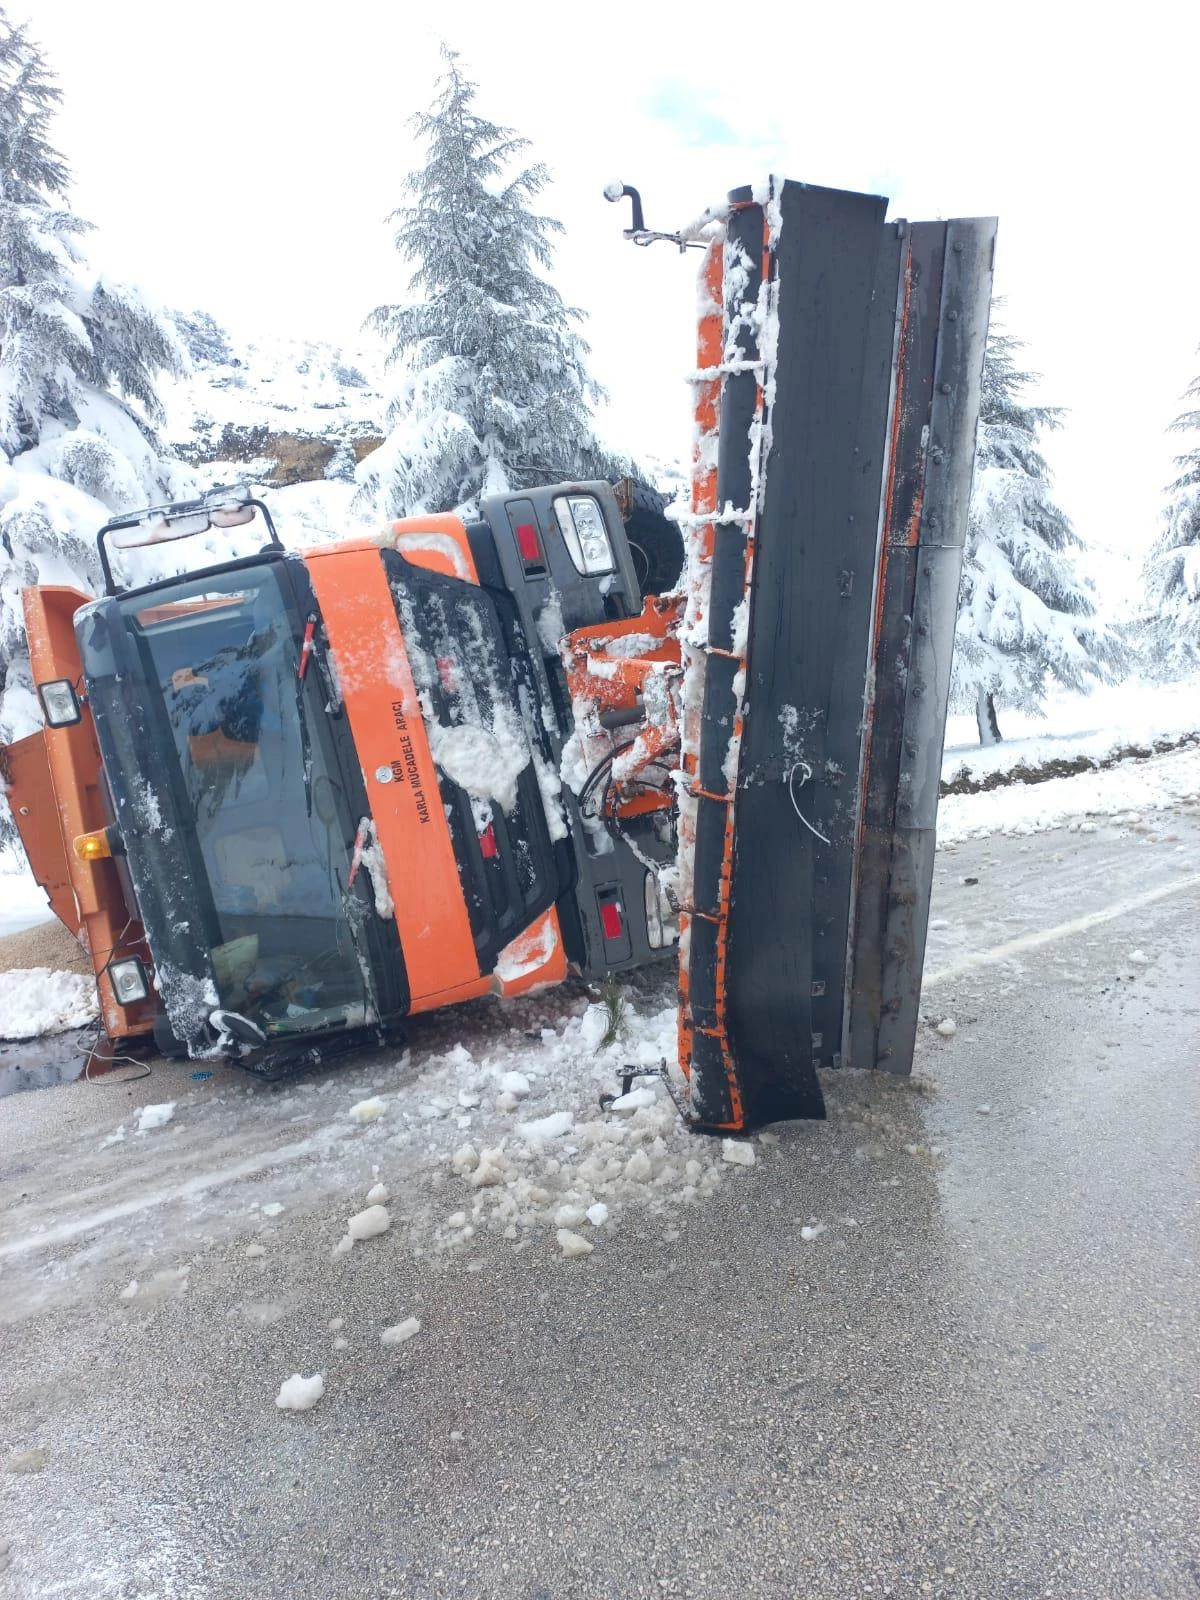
241 156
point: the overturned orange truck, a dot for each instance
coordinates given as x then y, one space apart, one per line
288 800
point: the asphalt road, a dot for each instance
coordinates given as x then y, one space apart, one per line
979 1379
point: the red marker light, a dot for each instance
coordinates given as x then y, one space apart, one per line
488 848
528 544
610 919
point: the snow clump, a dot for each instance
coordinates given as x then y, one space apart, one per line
737 1152
378 1195
300 1394
555 1126
366 1224
155 1116
367 1110
401 1332
947 1027
573 1244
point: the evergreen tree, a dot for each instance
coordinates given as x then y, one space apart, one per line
494 393
1172 573
1026 615
79 356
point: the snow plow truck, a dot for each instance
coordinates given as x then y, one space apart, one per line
287 801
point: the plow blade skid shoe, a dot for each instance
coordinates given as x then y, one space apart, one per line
851 367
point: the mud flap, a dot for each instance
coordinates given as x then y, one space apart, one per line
799 825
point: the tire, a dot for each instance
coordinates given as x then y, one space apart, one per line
655 542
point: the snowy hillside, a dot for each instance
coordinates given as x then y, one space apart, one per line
275 410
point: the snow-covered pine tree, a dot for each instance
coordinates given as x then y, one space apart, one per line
494 392
79 356
1026 615
1172 573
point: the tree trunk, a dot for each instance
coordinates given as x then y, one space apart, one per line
985 719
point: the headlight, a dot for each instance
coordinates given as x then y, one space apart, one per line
59 703
129 981
581 523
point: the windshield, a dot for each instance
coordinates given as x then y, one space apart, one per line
234 713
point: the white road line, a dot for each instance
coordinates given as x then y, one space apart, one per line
1062 930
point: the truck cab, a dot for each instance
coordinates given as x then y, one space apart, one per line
288 800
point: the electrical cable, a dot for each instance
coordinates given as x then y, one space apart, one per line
807 778
89 1052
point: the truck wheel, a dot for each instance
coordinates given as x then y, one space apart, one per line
655 542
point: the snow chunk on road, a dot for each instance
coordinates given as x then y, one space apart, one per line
516 1084
367 1110
638 1168
554 1126
491 1170
35 1000
401 1332
366 1224
568 1216
378 1195
573 1244
635 1100
594 1026
300 1394
597 1215
947 1027
737 1152
273 1209
156 1117
465 1159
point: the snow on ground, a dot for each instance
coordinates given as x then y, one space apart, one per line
35 1001
274 383
1095 725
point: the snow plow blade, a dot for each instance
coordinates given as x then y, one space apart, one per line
838 394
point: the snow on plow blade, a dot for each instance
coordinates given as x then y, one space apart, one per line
837 399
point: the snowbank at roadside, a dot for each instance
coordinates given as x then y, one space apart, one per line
1094 726
1133 789
35 1000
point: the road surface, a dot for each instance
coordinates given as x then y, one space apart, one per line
975 1376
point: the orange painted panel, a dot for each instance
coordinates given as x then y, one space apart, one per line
534 960
401 780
